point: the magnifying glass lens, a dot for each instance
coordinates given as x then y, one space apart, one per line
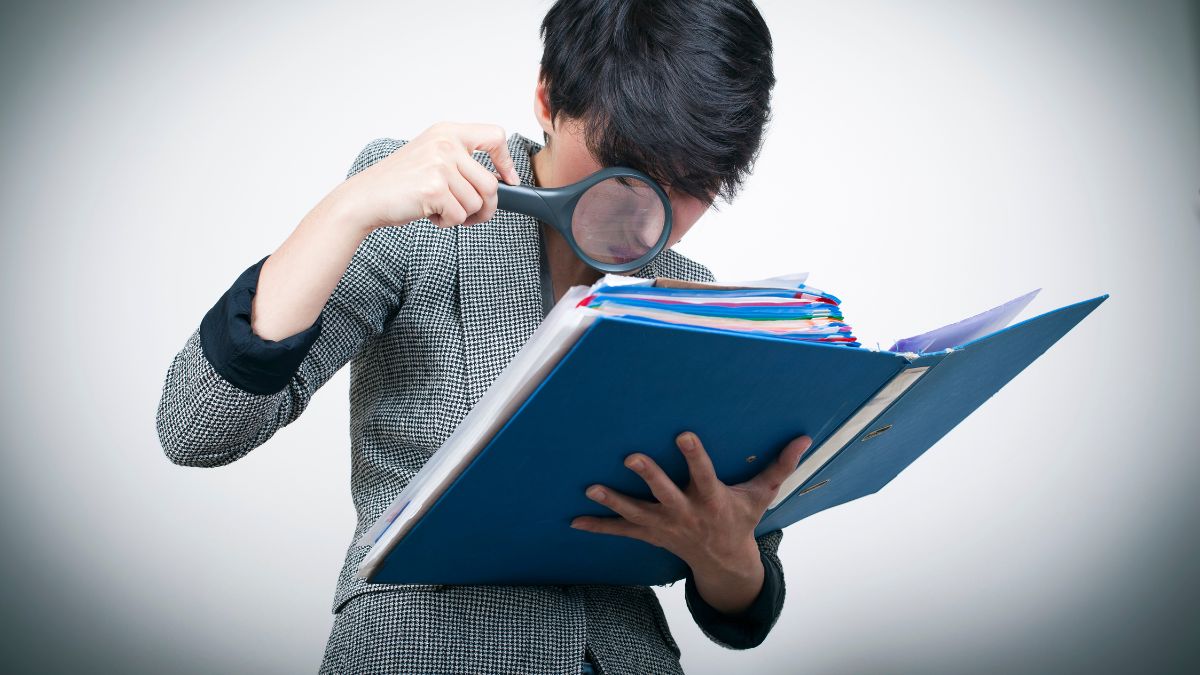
618 220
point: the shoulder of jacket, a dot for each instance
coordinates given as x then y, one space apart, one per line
675 265
373 152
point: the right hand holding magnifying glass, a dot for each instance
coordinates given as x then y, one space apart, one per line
434 176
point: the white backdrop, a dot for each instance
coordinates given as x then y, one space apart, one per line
926 160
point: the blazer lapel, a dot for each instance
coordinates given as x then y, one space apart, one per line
499 282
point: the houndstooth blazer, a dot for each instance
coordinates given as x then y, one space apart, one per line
427 317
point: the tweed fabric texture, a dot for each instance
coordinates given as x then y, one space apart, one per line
428 317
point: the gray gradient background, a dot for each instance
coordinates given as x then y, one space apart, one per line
969 151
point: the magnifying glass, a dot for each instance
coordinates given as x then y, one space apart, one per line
616 219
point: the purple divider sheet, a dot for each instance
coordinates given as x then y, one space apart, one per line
964 331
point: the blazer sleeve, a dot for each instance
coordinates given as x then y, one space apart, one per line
227 391
751 626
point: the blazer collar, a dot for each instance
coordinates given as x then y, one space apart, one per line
499 281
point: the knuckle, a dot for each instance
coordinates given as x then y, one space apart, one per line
429 191
433 133
442 171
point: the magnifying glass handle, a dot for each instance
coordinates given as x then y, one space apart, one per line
523 199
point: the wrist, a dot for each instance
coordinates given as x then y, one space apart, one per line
346 212
731 586
732 564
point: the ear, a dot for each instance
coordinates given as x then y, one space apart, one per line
541 106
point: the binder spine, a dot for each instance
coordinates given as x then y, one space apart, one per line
848 432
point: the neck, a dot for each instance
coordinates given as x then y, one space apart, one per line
566 269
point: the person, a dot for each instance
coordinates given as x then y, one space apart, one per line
408 271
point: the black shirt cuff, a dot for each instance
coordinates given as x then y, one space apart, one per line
244 359
749 627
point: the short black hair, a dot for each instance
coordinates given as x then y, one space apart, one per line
679 89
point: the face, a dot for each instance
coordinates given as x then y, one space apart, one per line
569 161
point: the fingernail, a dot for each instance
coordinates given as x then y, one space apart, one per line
688 440
636 463
595 492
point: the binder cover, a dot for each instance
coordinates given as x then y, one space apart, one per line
632 385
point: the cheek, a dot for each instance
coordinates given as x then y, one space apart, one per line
676 234
683 217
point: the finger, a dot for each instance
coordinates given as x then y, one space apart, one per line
491 139
617 526
771 478
485 184
464 193
633 510
446 211
700 466
665 490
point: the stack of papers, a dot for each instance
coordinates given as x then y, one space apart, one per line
799 313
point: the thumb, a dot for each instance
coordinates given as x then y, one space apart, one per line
491 139
772 477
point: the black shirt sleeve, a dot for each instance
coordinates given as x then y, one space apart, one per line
749 627
244 359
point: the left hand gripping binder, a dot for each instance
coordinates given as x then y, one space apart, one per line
631 385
